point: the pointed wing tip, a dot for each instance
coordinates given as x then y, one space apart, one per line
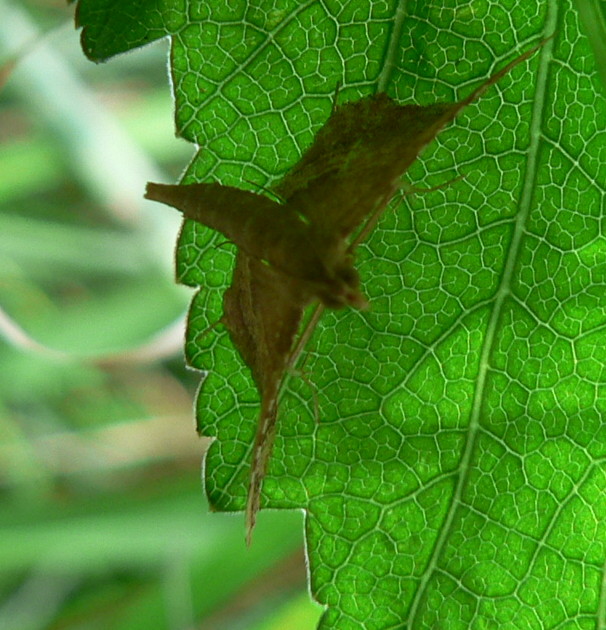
251 520
151 190
175 196
497 76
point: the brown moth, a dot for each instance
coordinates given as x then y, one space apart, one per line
298 251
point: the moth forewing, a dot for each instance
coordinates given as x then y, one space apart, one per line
264 230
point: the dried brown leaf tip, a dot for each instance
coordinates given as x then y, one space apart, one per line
299 251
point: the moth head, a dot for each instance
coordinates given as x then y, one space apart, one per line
343 289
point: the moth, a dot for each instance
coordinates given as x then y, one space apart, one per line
299 250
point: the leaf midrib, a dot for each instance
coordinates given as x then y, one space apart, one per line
502 293
392 46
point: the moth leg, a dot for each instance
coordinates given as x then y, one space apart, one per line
372 220
368 227
303 375
267 190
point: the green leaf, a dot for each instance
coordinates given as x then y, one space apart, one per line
455 476
110 27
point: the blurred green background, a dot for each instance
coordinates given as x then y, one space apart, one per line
103 522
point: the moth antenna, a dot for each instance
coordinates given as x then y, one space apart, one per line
223 244
372 220
263 446
269 191
302 374
306 333
407 189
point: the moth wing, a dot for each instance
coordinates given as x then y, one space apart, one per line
356 161
259 226
262 310
244 217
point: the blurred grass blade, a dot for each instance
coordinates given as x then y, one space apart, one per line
593 18
106 160
16 336
7 66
